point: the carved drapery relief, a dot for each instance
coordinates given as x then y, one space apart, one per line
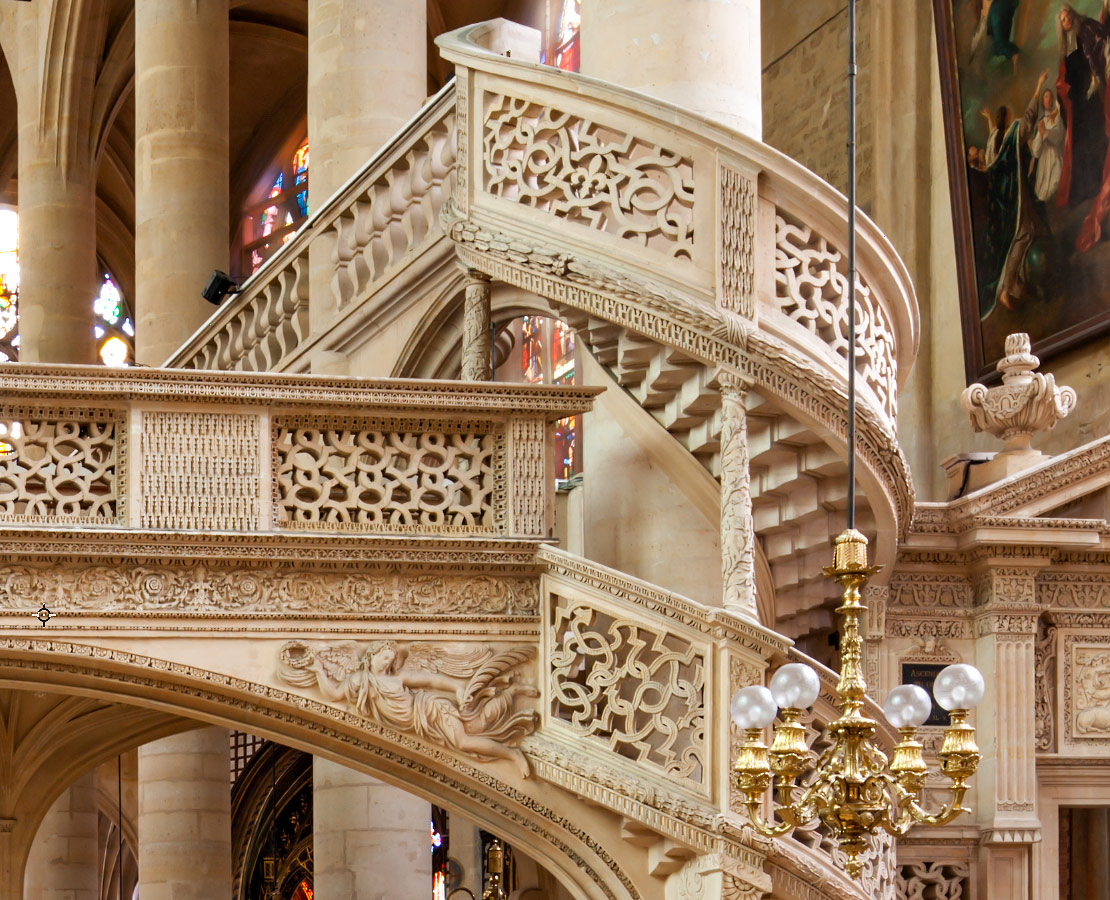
811 290
737 528
933 881
477 338
62 466
476 701
737 251
235 590
379 475
589 173
637 690
1045 661
184 486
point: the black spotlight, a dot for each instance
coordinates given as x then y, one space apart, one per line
219 286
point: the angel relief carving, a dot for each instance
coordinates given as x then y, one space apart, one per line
464 699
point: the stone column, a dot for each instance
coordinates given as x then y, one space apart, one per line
56 183
64 863
737 530
1006 630
370 840
703 55
181 167
367 76
477 339
185 816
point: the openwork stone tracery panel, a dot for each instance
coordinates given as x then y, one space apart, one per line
934 881
385 475
201 470
812 290
638 690
60 465
589 173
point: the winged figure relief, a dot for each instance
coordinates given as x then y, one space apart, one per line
465 699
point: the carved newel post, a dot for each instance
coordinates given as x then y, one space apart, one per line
1025 403
477 339
737 532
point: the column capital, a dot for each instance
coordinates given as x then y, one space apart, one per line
731 383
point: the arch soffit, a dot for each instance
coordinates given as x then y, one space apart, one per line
543 822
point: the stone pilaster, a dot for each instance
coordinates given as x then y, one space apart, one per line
477 338
1005 637
185 816
703 55
737 530
181 167
64 863
370 840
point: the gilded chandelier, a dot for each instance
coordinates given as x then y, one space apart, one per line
853 791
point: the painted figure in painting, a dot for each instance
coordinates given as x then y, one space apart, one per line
1032 78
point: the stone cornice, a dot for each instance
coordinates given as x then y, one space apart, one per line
96 385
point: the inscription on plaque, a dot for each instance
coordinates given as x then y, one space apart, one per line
923 675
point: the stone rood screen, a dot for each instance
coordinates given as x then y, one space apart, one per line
202 451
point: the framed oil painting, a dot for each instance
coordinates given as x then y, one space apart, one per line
1027 124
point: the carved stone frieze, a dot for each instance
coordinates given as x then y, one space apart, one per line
737 528
917 590
1086 689
934 629
203 590
1073 590
476 701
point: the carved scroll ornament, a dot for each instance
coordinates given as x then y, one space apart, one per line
462 698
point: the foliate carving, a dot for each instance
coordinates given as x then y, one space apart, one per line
62 467
462 141
737 251
201 470
203 590
811 290
589 173
1008 586
1045 708
879 878
737 528
934 881
638 690
466 699
928 591
1026 402
1069 590
380 475
477 357
935 629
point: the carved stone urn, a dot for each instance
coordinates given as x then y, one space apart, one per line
1025 403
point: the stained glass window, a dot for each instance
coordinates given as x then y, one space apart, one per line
567 49
113 329
440 840
9 285
546 356
274 220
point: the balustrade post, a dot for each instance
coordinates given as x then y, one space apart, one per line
737 531
477 361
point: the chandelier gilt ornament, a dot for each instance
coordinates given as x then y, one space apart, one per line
852 789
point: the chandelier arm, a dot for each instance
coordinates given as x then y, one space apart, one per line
768 829
912 813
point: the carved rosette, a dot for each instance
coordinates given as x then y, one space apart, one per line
1025 403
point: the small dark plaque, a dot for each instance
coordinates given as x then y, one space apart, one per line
923 675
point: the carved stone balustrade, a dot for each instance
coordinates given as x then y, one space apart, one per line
158 449
383 217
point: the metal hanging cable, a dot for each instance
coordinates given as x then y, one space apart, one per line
851 263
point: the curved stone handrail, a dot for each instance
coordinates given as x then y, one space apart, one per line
385 213
651 217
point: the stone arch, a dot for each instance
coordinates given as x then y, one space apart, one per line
590 859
